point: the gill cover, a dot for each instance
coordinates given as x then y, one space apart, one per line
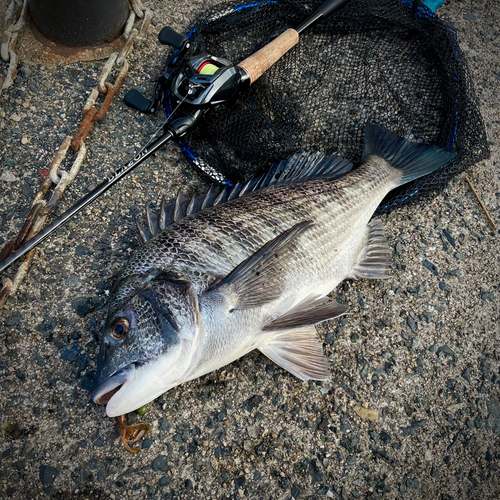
138 366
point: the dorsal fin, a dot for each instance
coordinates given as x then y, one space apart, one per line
181 203
152 220
191 207
221 197
209 197
235 192
306 166
143 232
253 185
298 168
164 219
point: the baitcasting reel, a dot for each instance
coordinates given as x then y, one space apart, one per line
198 82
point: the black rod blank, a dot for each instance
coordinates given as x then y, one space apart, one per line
323 10
86 200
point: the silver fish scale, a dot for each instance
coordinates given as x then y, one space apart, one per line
206 246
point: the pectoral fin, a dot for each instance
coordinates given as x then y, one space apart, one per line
299 352
256 281
309 312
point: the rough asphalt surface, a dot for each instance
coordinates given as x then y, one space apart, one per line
418 354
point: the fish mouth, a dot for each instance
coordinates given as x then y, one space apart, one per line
105 391
134 386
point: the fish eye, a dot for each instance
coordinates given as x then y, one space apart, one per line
119 329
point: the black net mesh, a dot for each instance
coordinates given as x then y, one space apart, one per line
390 62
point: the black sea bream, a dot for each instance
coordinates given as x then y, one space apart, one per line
251 269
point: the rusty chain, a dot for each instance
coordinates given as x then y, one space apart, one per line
40 207
9 39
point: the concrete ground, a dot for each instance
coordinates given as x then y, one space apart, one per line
421 350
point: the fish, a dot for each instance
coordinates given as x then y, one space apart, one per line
251 267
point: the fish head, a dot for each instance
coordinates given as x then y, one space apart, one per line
146 346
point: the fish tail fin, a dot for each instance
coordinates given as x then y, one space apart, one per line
411 159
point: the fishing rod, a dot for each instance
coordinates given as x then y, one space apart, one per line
195 84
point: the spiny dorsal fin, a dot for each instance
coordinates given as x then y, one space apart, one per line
377 255
143 232
252 185
152 220
221 197
180 206
164 219
235 191
299 352
248 187
209 198
298 168
152 225
191 206
155 223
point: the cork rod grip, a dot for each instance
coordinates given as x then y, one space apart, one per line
258 63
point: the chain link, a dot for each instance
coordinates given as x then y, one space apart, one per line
138 8
141 12
62 178
129 25
90 113
9 39
127 48
146 22
106 70
41 208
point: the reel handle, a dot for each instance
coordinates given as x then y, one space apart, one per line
135 99
168 36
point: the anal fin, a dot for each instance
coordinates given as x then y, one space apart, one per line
299 352
377 255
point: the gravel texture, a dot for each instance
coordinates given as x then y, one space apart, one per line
413 409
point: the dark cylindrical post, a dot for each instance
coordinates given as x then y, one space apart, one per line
79 23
